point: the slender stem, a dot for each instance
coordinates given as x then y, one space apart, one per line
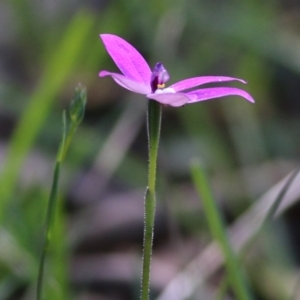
75 115
154 123
64 146
49 217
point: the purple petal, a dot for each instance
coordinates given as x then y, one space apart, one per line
127 58
127 83
195 81
211 93
173 99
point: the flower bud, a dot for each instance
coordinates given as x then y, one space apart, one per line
77 105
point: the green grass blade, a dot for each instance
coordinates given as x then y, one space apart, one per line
60 66
217 227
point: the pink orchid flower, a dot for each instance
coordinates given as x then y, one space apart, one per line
138 77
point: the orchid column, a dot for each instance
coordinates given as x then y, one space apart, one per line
137 77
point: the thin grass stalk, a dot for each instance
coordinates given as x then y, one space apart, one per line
50 210
217 227
76 113
49 218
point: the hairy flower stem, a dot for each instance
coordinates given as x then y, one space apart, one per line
154 123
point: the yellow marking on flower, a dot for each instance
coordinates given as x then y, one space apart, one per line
161 86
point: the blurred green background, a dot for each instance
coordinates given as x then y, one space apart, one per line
48 47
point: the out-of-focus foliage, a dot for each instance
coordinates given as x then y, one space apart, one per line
47 47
